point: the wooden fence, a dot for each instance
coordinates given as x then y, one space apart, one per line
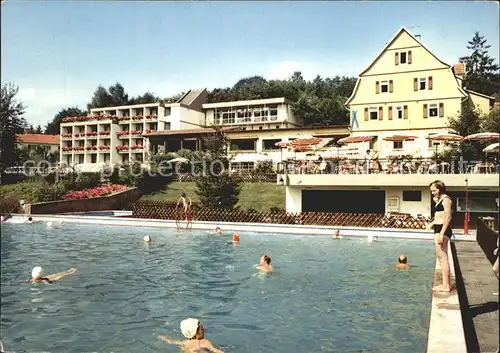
243 178
167 210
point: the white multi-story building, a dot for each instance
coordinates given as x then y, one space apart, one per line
116 135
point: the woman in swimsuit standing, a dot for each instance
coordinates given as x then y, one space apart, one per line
442 231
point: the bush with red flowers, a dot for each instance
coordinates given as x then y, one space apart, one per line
94 192
123 133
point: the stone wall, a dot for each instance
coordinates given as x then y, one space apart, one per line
111 202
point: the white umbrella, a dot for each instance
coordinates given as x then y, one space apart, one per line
494 147
179 160
251 157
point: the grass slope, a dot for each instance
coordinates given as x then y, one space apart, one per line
259 196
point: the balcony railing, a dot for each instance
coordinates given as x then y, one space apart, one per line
386 166
73 119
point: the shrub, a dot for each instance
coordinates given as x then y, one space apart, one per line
94 192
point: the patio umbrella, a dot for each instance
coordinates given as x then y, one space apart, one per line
483 136
445 137
305 141
494 147
179 160
400 138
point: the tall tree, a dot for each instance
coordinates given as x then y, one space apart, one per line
113 96
12 122
29 129
482 71
468 122
54 127
39 129
215 187
147 97
491 122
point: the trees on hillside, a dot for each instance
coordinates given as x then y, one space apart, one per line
12 122
54 127
317 102
482 71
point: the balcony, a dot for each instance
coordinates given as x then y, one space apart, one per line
67 136
122 149
387 173
123 134
104 134
104 148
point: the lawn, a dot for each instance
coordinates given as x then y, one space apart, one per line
258 196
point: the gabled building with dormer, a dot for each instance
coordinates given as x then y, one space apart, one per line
410 92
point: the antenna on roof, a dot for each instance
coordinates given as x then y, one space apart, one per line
418 36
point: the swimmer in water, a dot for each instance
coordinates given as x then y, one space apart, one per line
196 342
402 262
37 276
337 235
147 239
265 264
218 230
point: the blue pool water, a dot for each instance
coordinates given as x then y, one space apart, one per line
325 296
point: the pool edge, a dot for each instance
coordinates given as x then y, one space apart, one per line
446 332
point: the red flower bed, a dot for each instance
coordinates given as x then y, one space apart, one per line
94 192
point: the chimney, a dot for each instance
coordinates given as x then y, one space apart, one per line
459 70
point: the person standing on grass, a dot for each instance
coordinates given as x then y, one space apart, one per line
442 231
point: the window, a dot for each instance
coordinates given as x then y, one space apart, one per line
398 145
432 143
403 58
167 111
242 166
243 145
422 83
373 112
414 196
270 144
433 110
478 204
398 112
384 86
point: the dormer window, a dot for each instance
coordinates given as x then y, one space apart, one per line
402 57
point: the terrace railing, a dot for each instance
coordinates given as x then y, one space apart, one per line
167 210
406 165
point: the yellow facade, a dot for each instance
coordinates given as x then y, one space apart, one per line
405 88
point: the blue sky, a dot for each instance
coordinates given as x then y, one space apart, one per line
58 52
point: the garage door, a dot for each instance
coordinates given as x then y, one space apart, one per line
343 201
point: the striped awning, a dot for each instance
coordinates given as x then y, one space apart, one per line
355 139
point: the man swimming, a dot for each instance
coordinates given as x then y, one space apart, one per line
196 342
402 262
265 264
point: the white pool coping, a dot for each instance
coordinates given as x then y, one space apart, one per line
289 229
446 332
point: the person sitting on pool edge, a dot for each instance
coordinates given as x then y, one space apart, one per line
403 262
196 342
264 264
37 276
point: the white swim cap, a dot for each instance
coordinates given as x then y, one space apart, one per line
147 238
36 273
370 238
189 327
49 224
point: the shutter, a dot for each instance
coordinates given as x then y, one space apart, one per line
390 113
405 112
377 87
396 58
391 86
429 82
409 57
415 84
380 113
425 111
441 110
366 114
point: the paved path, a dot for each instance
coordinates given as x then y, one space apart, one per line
479 305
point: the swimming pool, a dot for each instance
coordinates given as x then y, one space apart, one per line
325 296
